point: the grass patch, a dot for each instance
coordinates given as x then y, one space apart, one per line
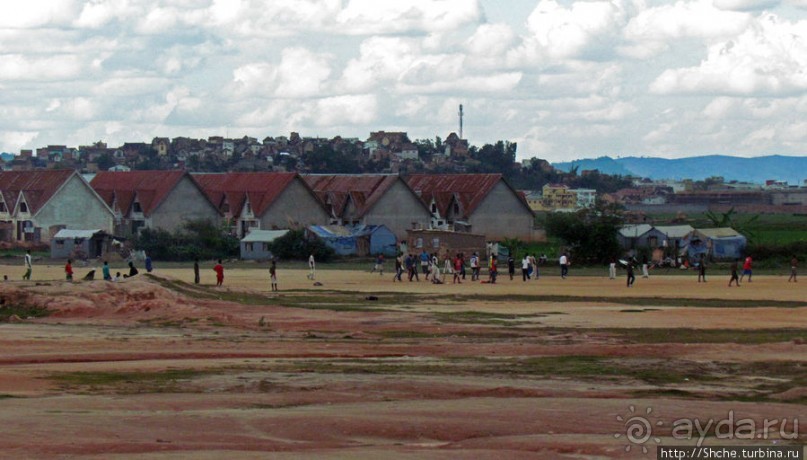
170 380
21 311
482 317
445 335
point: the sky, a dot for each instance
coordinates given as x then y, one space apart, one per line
563 79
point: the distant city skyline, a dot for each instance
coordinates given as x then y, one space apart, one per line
565 80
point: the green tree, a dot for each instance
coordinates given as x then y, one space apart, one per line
590 234
295 245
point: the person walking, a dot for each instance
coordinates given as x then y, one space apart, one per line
311 267
28 265
196 271
564 265
533 268
734 278
747 269
105 271
379 264
68 270
273 276
219 269
794 268
631 276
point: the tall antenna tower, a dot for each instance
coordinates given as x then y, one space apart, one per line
461 114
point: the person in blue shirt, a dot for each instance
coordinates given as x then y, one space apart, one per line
105 271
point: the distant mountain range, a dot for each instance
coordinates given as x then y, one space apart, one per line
756 170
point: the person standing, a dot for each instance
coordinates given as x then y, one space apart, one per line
457 269
462 265
425 260
645 263
149 266
311 267
105 271
219 269
631 276
533 267
273 276
493 270
702 269
747 269
564 265
612 269
474 267
794 268
196 271
525 268
68 270
734 278
398 268
28 265
511 266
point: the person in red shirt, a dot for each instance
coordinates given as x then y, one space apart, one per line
457 269
219 269
68 270
746 269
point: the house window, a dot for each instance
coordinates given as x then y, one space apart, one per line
456 208
419 243
249 247
23 207
3 207
265 247
59 243
653 241
434 208
436 242
136 207
225 208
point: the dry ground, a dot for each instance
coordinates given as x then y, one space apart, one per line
154 367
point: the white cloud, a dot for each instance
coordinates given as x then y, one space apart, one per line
556 32
745 5
39 68
342 110
13 141
770 57
390 17
36 13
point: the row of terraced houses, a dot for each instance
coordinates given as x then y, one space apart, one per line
35 205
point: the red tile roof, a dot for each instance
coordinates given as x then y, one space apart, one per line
469 190
37 186
149 187
364 190
262 189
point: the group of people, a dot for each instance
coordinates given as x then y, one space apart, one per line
458 265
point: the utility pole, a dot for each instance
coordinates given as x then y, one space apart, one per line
461 115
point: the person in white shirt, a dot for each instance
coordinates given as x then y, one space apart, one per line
311 266
564 266
28 265
525 268
474 267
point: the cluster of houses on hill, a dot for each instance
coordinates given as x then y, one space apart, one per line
36 205
281 153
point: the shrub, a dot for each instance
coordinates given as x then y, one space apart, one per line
195 239
295 245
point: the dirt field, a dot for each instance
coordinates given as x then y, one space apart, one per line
361 367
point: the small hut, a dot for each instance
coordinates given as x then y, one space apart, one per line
255 246
79 244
